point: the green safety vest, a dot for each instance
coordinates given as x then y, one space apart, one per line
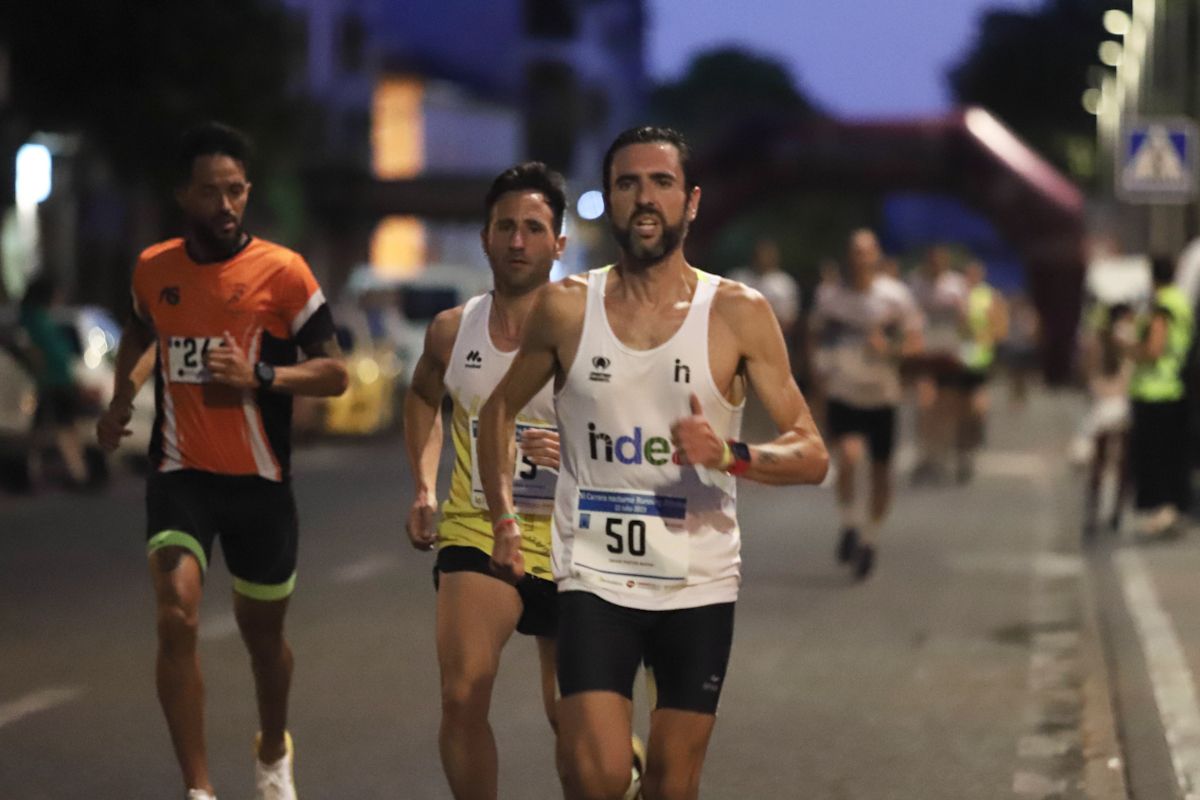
1161 381
979 351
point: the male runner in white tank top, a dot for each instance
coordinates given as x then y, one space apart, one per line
467 350
651 361
872 323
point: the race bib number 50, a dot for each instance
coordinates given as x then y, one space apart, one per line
185 358
636 536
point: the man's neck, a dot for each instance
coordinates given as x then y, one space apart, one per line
509 312
203 253
668 281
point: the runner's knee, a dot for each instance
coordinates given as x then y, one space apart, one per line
586 776
466 694
178 625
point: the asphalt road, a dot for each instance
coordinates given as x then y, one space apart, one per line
957 671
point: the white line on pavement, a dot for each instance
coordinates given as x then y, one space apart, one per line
364 569
1174 687
32 703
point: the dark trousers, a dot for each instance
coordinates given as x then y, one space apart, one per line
1159 458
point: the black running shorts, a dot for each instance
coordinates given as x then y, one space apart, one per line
539 597
254 517
876 425
686 650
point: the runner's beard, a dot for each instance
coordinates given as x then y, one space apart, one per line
645 254
215 242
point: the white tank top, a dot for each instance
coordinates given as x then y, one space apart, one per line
476 366
630 525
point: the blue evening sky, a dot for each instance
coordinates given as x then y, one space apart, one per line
856 58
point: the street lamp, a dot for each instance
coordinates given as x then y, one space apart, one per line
1110 53
1117 22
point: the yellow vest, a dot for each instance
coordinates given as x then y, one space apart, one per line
1161 381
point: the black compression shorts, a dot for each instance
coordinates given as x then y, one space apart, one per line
876 425
539 597
686 650
254 517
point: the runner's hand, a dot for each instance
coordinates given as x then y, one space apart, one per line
420 528
228 364
541 447
508 562
694 439
113 425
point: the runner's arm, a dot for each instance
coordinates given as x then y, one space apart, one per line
321 374
798 454
137 339
423 424
535 364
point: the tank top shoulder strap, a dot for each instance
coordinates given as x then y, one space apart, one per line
474 310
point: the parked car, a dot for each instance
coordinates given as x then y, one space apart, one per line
381 328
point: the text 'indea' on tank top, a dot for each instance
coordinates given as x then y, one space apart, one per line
632 525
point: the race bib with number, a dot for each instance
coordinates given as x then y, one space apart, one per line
639 537
533 486
185 358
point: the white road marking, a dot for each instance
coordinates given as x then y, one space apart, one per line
364 569
41 700
1174 686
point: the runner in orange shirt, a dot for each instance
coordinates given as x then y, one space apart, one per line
228 312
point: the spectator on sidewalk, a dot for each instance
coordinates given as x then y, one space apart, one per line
1158 460
57 391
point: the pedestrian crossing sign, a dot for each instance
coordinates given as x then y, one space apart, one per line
1156 161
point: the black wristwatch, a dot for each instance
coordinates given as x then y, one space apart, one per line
741 457
264 373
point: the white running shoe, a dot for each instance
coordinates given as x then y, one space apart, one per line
274 781
200 794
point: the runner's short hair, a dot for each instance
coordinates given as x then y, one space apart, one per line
531 176
649 134
210 139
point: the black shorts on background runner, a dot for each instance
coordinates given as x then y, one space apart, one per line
254 517
600 646
539 597
876 425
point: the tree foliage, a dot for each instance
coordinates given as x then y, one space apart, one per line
726 86
1030 68
131 77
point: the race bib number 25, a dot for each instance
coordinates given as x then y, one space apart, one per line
185 358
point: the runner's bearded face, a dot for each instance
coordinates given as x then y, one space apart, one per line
520 241
649 206
214 201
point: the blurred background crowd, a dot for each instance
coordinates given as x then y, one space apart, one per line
379 124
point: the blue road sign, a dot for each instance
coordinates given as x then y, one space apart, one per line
1156 161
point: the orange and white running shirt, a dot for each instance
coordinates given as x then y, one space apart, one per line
266 298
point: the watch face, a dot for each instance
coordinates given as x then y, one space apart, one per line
264 372
741 450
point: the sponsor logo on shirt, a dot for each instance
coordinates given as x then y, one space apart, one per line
600 372
635 448
169 295
474 360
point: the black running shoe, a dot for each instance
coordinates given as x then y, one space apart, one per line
847 545
865 562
